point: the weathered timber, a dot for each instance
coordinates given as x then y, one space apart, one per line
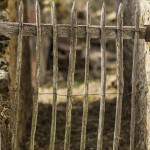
103 80
70 80
86 82
142 126
64 30
37 77
134 68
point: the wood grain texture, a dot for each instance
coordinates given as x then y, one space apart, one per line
15 139
103 80
70 80
120 79
29 29
86 81
134 72
55 79
37 77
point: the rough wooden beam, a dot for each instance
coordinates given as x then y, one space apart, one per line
64 30
145 20
134 68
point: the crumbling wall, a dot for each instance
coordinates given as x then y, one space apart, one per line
5 131
145 20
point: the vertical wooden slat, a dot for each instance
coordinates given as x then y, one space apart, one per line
55 79
37 71
134 68
86 82
15 139
120 82
103 81
70 80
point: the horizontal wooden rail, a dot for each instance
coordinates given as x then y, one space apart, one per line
64 30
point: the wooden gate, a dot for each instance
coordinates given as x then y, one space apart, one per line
74 32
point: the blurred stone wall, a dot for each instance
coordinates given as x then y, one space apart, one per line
4 83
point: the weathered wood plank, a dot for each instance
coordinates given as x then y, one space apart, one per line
55 79
142 124
120 80
86 81
134 72
18 79
103 80
37 77
70 80
64 30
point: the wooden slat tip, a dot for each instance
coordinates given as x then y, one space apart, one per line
21 12
37 7
103 7
87 6
103 14
53 13
88 19
74 9
120 10
88 3
21 6
53 5
137 10
38 13
120 13
53 9
74 14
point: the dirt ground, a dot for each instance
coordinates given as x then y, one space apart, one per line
44 121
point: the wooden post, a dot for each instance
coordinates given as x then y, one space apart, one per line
37 76
26 85
144 80
141 109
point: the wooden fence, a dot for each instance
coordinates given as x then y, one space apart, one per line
75 31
